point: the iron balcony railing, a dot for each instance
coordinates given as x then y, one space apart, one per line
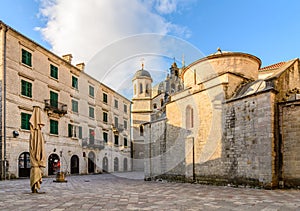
56 107
93 144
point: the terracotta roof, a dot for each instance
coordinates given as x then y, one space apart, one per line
272 67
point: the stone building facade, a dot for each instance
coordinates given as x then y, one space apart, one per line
232 122
87 124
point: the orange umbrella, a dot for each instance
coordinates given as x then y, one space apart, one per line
36 149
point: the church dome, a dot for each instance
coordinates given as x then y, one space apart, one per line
142 73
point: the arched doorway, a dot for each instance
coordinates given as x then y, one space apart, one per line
24 164
116 164
105 164
74 164
125 164
53 164
91 162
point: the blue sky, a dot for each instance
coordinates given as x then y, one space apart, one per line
268 29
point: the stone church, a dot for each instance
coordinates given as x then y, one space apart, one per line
223 119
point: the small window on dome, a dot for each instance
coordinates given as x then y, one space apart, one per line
141 88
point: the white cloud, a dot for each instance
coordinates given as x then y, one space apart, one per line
166 6
84 28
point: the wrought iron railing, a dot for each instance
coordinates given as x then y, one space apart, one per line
95 144
56 107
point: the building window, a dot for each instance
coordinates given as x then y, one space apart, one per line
74 82
80 132
147 88
141 130
116 104
116 121
75 106
116 140
189 117
25 121
53 99
134 89
91 91
125 124
26 57
104 97
155 106
105 117
161 102
141 88
53 71
125 142
105 137
53 127
91 112
92 136
125 108
26 88
72 131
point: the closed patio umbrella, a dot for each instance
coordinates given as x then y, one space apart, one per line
36 149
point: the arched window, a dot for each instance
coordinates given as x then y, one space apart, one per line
125 166
141 130
141 88
189 117
161 102
147 88
116 164
155 106
134 89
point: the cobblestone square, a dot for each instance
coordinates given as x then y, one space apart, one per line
128 191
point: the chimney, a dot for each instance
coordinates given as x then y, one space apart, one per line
80 66
68 58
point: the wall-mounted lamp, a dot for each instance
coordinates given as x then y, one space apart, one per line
15 134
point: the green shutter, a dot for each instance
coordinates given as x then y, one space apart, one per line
125 142
91 112
80 132
105 138
25 121
116 140
104 98
53 127
70 128
53 71
53 99
74 106
26 88
74 82
26 57
91 91
104 117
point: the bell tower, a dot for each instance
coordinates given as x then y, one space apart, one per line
141 113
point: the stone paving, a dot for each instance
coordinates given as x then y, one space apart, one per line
127 191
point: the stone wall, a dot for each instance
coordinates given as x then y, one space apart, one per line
249 142
244 156
290 133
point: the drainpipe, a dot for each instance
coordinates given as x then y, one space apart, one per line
130 135
4 99
150 151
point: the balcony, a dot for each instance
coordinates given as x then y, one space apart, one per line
53 106
95 144
117 129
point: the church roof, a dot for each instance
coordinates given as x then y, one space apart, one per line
142 73
272 67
